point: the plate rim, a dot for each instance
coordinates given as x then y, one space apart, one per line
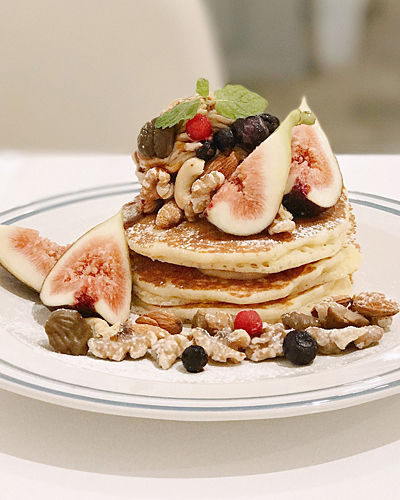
141 408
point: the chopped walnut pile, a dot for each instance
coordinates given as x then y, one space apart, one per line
336 340
215 348
156 185
201 192
127 338
283 222
213 323
268 345
335 323
167 350
338 321
235 339
157 333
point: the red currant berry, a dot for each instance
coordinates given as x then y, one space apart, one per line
198 128
250 321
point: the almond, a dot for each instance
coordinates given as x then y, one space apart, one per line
169 215
162 319
224 164
374 304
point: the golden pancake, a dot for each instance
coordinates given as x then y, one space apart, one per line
201 245
269 311
165 284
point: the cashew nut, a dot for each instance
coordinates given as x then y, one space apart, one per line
187 174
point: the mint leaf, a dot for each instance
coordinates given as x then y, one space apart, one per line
183 111
235 101
203 87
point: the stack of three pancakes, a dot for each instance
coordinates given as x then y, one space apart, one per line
194 266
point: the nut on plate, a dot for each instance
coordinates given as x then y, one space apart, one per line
162 319
68 332
374 304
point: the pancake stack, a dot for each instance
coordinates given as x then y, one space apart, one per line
193 265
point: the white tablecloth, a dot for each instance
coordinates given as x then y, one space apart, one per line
48 451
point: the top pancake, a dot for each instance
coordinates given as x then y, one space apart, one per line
200 244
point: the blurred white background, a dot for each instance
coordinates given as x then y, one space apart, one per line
85 75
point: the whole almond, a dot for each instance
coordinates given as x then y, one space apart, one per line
162 319
224 164
374 304
169 215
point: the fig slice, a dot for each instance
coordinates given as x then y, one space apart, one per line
26 255
249 200
94 273
315 182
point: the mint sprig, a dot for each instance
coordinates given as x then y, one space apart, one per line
203 87
232 101
235 101
183 111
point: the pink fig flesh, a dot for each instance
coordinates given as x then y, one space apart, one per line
249 200
28 256
315 182
94 273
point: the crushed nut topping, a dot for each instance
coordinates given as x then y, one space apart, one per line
201 192
156 185
215 348
213 322
236 339
334 325
130 338
283 222
336 340
167 350
268 345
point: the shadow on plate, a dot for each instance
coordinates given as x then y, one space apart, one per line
16 287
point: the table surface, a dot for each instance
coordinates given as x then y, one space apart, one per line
48 450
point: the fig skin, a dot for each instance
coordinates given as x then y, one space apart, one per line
299 206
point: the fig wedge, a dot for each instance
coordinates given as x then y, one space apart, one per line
315 182
94 273
26 255
249 200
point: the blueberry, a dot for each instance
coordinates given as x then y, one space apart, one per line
271 121
299 347
206 151
224 140
194 358
250 132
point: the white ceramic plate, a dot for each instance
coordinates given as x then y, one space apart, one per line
222 392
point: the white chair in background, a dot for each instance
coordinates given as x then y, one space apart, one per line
87 75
